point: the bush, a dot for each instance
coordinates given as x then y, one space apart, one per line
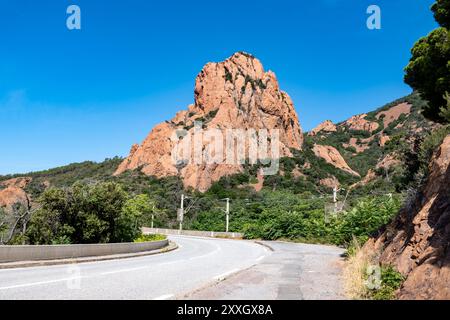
391 281
365 219
150 238
98 213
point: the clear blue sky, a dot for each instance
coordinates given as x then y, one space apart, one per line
68 96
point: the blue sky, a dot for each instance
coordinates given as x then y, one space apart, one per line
69 96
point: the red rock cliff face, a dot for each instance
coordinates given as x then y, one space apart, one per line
234 94
418 241
11 192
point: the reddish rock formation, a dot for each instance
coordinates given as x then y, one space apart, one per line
361 124
260 184
370 176
13 192
383 140
326 126
417 243
330 182
234 94
298 173
387 162
21 182
394 113
358 147
332 156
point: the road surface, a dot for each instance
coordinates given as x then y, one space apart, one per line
199 269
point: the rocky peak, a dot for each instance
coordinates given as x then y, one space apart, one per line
234 94
326 126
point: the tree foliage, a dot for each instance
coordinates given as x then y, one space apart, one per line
441 10
429 68
98 213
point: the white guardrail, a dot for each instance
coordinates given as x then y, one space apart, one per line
55 252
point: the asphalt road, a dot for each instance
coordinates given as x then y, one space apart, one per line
199 269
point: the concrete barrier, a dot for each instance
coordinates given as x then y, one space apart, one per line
209 234
54 252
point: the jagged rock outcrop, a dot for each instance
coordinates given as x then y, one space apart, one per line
12 192
332 156
234 94
417 243
359 123
326 126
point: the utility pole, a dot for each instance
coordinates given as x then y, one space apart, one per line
153 218
181 212
227 212
335 190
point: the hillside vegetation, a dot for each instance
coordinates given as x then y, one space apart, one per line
291 204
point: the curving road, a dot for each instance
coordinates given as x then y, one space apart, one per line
201 268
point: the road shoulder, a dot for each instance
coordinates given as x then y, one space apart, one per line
292 272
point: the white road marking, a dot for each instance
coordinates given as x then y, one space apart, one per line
24 285
260 258
164 297
224 275
123 270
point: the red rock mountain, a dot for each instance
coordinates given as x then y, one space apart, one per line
234 94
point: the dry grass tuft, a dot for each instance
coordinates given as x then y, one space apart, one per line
355 272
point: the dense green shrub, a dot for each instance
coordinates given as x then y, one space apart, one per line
283 215
98 213
364 219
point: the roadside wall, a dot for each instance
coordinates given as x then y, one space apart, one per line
209 234
53 252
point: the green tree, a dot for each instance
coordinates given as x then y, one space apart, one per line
365 218
441 9
3 223
445 111
81 214
429 68
134 212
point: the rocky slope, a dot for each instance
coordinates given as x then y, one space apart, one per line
372 145
417 243
234 94
12 192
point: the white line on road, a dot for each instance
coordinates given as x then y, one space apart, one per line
123 270
164 297
224 275
260 258
24 285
